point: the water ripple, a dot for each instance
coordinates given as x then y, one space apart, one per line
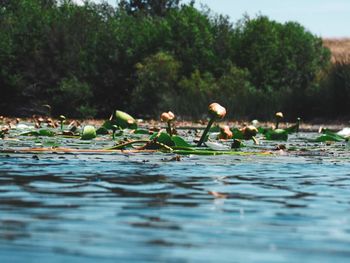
227 209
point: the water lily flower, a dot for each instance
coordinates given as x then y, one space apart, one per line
225 132
249 132
278 117
168 117
216 111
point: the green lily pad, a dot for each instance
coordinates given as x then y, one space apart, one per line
41 132
277 135
89 133
328 138
102 131
179 142
237 134
292 129
141 131
333 134
264 130
124 120
163 138
215 128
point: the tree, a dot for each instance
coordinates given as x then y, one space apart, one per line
149 7
157 78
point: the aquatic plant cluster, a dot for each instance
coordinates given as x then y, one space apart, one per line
123 131
147 56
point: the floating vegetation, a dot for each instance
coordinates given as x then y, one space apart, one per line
128 137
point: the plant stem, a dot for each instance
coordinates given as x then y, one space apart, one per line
210 123
122 145
113 134
277 123
169 128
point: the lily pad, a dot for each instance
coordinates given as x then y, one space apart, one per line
41 132
217 146
124 120
179 142
163 138
89 133
277 135
328 138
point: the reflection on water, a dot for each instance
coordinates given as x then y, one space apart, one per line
143 208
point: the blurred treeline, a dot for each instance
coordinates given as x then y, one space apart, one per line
148 56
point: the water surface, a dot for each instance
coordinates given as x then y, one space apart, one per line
150 208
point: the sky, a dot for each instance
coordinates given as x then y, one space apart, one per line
325 18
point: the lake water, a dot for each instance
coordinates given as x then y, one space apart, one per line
150 208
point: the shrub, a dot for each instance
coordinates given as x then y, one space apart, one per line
73 99
156 82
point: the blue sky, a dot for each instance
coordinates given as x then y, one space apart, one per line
326 18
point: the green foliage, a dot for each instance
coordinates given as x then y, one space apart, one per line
89 133
148 7
157 78
71 96
147 56
339 85
277 135
194 94
282 58
123 120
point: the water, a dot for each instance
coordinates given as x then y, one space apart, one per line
149 208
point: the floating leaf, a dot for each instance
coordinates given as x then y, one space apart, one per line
179 142
237 134
141 131
345 132
328 138
102 131
217 146
237 144
215 128
163 138
277 135
263 130
292 129
212 152
46 132
334 135
42 132
124 120
89 133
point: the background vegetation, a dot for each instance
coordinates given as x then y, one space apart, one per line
147 56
